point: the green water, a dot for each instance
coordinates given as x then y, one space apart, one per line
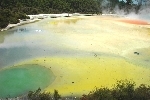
19 80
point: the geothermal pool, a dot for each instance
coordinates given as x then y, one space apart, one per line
23 78
74 55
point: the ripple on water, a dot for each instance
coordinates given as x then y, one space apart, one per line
21 79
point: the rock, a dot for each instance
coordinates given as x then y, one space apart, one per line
137 53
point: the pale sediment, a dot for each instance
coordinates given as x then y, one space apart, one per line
100 34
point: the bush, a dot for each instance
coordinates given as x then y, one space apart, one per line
123 90
142 92
14 20
56 95
38 95
21 16
4 17
101 94
3 22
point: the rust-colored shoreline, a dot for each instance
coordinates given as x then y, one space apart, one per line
134 21
126 20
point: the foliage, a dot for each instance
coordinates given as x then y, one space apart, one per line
49 6
56 95
38 95
123 90
21 16
12 10
3 22
142 92
7 16
13 20
100 94
17 9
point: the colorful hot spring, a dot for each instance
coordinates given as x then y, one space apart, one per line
19 80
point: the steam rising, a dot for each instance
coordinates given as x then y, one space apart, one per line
143 12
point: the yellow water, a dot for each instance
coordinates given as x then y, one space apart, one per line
79 75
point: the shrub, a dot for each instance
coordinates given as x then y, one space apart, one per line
21 16
3 22
56 95
38 95
122 90
101 94
4 17
142 92
14 20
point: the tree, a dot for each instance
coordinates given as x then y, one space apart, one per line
4 17
142 92
37 95
139 4
121 5
56 95
3 22
124 90
100 94
129 4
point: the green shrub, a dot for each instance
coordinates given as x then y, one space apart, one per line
4 17
56 95
21 16
122 90
142 92
14 20
3 22
38 95
101 94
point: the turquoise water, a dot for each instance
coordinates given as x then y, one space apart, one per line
21 79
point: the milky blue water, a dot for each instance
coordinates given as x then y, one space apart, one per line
29 41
